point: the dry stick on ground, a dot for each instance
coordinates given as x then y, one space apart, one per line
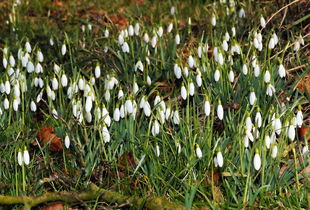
93 193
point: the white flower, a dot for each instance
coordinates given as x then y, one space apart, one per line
267 141
220 58
233 30
244 69
125 47
199 80
120 39
116 114
130 30
55 113
177 71
185 71
274 151
64 80
40 56
139 66
20 158
26 156
12 61
15 104
217 75
7 87
105 134
55 84
213 20
135 88
199 51
207 107
231 76
271 43
147 109
220 160
88 104
146 37
275 38
270 90
257 161
215 162
30 67
176 117
67 141
198 151
248 122
281 71
191 61
120 94
39 68
299 118
262 22
291 132
4 62
154 41
177 39
256 70
241 13
172 11
183 92
225 45
148 80
277 125
33 106
157 151
129 106
51 41
160 31
191 88
28 47
252 97
258 119
63 49
155 128
168 112
267 76
220 111
97 71
305 150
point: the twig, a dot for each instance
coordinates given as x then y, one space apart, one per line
93 193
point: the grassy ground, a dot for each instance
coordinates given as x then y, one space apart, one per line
127 155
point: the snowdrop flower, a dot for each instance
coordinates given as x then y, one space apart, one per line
220 58
299 118
56 68
139 66
63 49
257 161
130 30
146 37
258 118
248 135
129 106
248 122
271 43
105 115
28 47
107 95
39 68
88 104
105 134
227 37
147 109
172 11
305 150
116 114
199 51
135 88
270 90
155 128
185 71
154 41
281 71
15 104
231 76
274 151
256 70
160 31
125 47
241 13
219 158
262 22
30 67
20 158
191 88
291 132
275 38
244 69
277 124
225 45
137 29
176 117
6 103
177 39
64 80
267 141
4 62
12 61
183 92
106 33
168 112
7 87
199 79
157 150
191 61
33 106
213 20
55 83
67 142
97 71
220 111
120 39
177 71
198 151
207 106
40 57
217 75
252 97
120 94
55 113
267 76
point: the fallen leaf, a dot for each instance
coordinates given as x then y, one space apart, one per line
54 206
303 84
47 136
304 133
125 162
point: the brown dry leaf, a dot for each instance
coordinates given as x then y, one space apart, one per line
125 163
54 206
136 2
304 84
304 132
47 136
121 22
